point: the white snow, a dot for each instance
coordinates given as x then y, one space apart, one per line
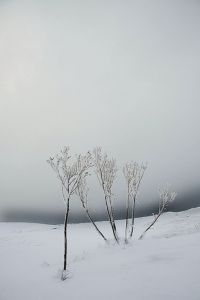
165 265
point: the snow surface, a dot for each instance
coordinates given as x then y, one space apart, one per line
165 265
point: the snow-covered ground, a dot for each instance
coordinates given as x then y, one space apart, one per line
165 265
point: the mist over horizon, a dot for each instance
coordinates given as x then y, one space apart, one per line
184 202
121 75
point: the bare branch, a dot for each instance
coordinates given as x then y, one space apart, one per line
82 193
166 197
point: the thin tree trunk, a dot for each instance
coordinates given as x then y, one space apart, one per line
133 217
133 210
127 218
113 219
110 219
65 239
92 221
142 235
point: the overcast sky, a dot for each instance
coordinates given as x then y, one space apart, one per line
121 74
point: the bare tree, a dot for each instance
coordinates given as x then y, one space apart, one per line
82 193
69 174
133 173
166 197
106 173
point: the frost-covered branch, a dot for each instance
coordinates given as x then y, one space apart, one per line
106 171
82 193
166 196
133 173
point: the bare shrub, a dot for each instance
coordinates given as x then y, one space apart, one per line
69 174
106 171
133 173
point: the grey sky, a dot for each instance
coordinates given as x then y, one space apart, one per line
121 74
